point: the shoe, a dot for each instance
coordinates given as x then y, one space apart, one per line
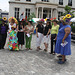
53 53
30 49
61 62
45 50
50 53
2 48
59 56
40 49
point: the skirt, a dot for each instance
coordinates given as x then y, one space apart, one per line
20 36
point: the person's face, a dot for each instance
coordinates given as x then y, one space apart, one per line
3 22
47 23
21 23
40 23
28 23
11 23
54 23
63 23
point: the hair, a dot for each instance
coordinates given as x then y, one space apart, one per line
55 21
49 23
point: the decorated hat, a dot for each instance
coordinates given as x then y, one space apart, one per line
67 18
14 19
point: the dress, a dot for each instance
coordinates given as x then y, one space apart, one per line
20 36
66 50
13 40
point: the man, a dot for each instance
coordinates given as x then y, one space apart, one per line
39 33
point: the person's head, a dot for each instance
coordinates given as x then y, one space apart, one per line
21 23
63 22
40 22
29 22
48 22
55 22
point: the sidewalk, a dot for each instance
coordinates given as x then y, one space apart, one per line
35 63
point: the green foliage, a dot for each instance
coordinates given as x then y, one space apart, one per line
0 20
68 10
31 16
73 29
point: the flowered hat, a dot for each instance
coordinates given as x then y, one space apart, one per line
67 18
14 19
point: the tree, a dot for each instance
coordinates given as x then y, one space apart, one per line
31 16
68 10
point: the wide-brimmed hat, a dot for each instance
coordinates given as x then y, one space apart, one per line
48 20
67 18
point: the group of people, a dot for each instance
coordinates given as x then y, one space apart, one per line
58 33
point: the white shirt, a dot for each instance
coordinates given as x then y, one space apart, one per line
10 25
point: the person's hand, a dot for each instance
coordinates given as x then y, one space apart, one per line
18 30
30 33
50 37
63 41
55 38
46 35
37 35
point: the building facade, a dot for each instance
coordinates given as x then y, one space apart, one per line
41 8
4 14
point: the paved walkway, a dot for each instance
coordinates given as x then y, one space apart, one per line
35 63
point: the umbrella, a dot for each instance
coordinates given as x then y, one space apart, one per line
72 20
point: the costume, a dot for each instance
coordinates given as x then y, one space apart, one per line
13 40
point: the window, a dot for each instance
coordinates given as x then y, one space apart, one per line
27 12
60 14
70 2
17 13
61 2
28 0
45 0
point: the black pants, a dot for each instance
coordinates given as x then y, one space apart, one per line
3 40
52 42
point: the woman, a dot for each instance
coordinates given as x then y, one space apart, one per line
3 34
63 44
13 40
20 34
54 32
39 33
29 30
47 30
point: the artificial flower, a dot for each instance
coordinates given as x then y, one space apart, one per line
68 16
4 18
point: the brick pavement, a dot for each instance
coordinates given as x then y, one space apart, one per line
35 63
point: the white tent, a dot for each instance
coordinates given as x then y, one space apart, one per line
72 20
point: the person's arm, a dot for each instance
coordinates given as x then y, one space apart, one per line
67 32
17 28
32 31
48 32
37 31
57 33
